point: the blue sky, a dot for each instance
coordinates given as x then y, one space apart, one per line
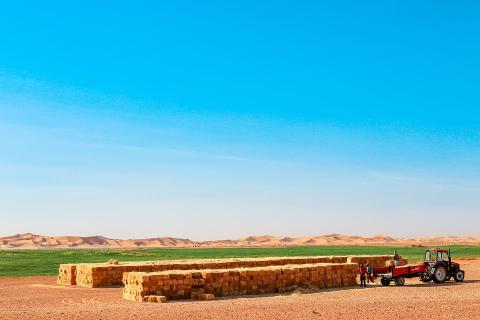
216 120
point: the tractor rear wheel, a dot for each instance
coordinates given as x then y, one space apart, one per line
459 275
439 274
400 281
385 282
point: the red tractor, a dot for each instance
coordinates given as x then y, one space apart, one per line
437 265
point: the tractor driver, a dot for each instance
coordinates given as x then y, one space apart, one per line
395 259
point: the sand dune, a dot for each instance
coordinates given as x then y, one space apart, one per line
32 241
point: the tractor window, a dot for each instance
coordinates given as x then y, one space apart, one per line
443 256
430 256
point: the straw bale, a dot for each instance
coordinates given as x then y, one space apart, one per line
154 298
67 274
204 296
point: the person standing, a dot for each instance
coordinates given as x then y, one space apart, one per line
363 276
369 273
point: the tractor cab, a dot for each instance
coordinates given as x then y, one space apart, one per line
437 255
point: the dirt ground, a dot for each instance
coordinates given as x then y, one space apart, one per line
40 298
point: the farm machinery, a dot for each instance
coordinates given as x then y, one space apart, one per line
437 266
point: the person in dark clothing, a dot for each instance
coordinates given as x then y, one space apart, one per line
363 276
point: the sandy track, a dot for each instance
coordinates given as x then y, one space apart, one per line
41 298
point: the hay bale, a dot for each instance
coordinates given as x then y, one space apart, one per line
399 262
156 299
204 296
67 274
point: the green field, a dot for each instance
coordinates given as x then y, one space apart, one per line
45 262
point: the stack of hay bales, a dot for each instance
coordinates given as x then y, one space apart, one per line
344 276
107 275
103 275
183 284
67 274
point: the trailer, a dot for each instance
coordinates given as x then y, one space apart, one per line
437 266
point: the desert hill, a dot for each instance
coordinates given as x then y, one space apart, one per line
32 241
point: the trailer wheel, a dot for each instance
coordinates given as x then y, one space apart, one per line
400 281
439 274
459 276
385 282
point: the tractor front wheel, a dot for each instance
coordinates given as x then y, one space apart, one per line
400 281
459 276
439 274
385 282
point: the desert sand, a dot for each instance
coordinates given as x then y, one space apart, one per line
41 298
32 241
